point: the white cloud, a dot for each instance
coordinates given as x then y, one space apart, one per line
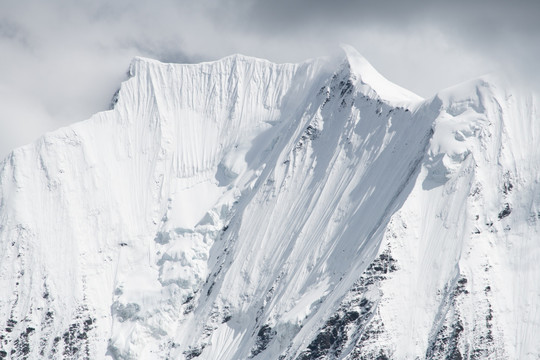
63 60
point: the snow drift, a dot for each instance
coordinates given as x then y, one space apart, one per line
243 209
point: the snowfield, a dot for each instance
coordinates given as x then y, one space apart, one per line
242 209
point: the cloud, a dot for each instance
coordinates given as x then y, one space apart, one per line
482 35
475 36
63 60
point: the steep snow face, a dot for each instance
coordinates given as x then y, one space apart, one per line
243 209
99 236
465 240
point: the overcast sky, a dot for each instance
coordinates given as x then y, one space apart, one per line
61 60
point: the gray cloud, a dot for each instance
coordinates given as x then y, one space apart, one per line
62 60
489 34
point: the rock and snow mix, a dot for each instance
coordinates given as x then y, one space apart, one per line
243 209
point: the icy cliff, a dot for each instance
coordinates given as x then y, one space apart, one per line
243 209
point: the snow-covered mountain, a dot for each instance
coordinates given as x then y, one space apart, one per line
243 209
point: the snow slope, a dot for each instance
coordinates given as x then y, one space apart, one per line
243 209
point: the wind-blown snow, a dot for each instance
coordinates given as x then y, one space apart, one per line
244 209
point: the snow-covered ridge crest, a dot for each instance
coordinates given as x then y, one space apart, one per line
223 103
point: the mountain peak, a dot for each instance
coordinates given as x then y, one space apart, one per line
371 79
241 209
